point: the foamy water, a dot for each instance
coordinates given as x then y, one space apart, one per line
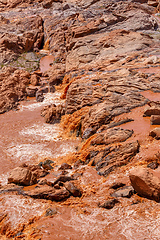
45 132
20 209
50 98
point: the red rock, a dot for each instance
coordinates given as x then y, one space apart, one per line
155 133
152 111
65 166
21 176
31 91
155 119
70 186
52 113
49 193
145 182
108 204
126 191
34 80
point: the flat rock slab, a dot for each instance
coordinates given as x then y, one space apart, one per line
151 111
49 193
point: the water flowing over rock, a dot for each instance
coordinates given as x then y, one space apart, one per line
80 148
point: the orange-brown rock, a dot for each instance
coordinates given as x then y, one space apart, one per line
52 113
145 182
155 133
152 111
50 193
21 176
12 87
155 120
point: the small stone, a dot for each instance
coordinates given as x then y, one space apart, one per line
153 165
20 176
124 192
73 189
65 166
50 212
108 204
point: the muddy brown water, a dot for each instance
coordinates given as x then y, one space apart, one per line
25 137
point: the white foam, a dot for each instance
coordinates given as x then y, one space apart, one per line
44 132
19 209
30 152
50 98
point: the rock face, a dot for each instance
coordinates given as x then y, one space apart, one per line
19 36
145 183
112 157
12 87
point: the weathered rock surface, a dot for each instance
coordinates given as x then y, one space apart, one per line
50 193
155 120
70 186
104 55
12 87
126 191
21 176
155 133
20 35
108 204
114 156
152 111
26 175
145 182
52 113
112 135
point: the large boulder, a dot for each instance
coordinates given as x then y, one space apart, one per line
145 182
